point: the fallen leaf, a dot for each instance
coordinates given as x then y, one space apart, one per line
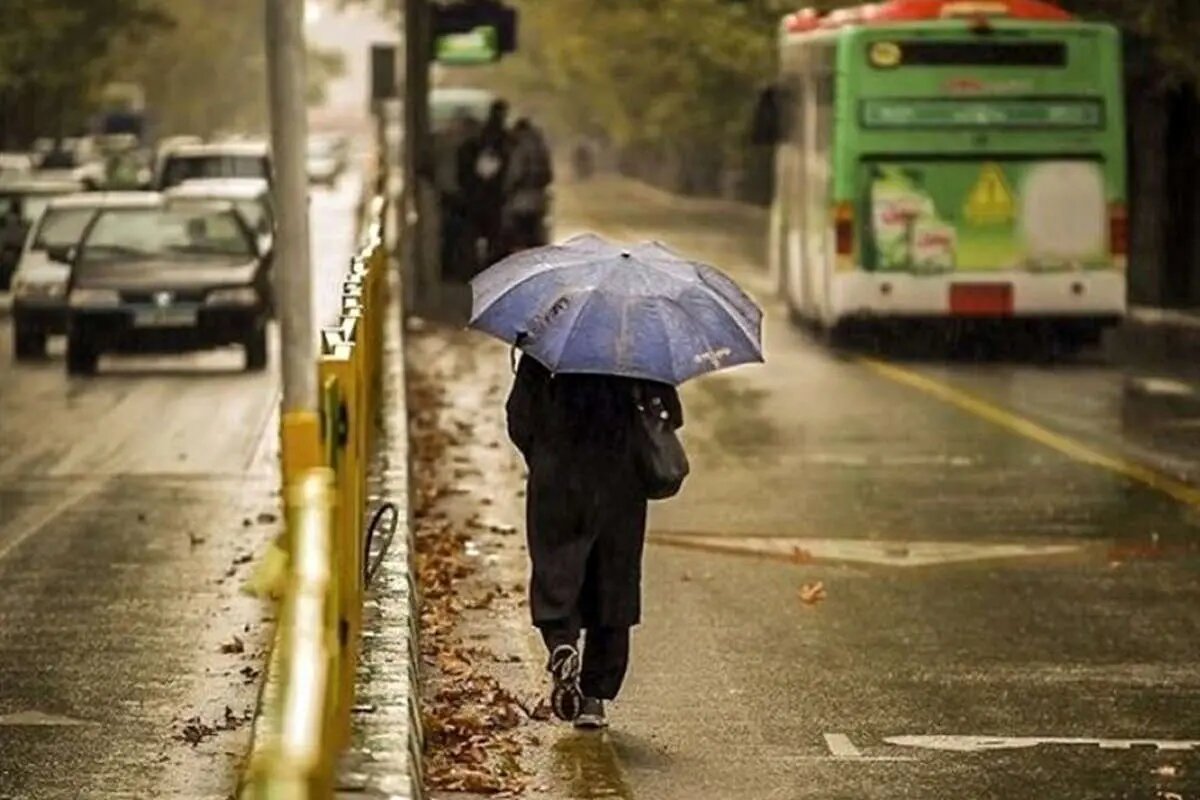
812 593
801 556
234 645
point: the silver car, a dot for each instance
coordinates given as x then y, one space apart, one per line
43 272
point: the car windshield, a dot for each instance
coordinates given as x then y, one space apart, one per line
255 214
62 227
172 233
183 168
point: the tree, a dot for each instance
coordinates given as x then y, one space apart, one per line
55 56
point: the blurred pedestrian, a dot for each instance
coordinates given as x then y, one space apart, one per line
582 161
586 520
457 238
491 152
527 188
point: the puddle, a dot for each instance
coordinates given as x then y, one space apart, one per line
586 766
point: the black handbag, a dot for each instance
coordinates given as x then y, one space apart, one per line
661 461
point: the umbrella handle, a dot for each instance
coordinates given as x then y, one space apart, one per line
516 345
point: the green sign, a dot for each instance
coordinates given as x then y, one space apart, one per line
990 113
480 46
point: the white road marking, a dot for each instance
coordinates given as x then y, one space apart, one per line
839 744
33 522
1162 386
882 460
842 749
979 744
866 551
38 718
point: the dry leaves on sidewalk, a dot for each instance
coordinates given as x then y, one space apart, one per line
812 593
471 722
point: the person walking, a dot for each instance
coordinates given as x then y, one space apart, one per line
606 332
527 188
490 156
453 181
586 523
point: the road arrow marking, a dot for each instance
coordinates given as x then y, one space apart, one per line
865 551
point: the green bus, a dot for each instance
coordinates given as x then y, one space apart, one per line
950 159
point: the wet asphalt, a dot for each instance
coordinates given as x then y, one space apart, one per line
1009 559
131 504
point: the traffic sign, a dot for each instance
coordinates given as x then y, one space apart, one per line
991 201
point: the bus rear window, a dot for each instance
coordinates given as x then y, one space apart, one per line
986 53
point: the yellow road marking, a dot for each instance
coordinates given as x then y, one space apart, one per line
1014 423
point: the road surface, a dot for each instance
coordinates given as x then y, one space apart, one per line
130 505
1008 551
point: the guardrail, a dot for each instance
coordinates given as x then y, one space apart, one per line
303 720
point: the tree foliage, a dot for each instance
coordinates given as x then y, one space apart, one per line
55 56
201 63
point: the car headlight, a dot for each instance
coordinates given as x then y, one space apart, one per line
40 290
94 298
241 296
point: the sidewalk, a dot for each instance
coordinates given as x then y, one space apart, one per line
481 663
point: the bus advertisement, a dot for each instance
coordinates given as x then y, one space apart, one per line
950 160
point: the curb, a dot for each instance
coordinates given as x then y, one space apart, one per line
384 757
1158 335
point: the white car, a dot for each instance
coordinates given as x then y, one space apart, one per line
229 159
39 288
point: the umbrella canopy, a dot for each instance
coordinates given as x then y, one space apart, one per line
640 311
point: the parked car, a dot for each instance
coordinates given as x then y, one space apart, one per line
185 276
39 285
231 159
21 203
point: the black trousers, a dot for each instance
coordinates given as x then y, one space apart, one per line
605 655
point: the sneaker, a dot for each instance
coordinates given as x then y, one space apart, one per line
591 714
566 698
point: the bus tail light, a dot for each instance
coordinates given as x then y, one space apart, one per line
1118 233
843 230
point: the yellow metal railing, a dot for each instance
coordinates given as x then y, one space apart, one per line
303 721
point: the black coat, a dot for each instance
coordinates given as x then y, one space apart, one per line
585 506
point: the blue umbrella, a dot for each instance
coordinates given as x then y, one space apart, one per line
641 311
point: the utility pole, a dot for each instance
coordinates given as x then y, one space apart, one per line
286 57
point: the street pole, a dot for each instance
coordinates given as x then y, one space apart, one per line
286 56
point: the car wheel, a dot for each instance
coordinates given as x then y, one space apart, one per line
28 342
256 351
81 356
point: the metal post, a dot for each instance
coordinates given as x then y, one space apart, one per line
293 272
286 56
